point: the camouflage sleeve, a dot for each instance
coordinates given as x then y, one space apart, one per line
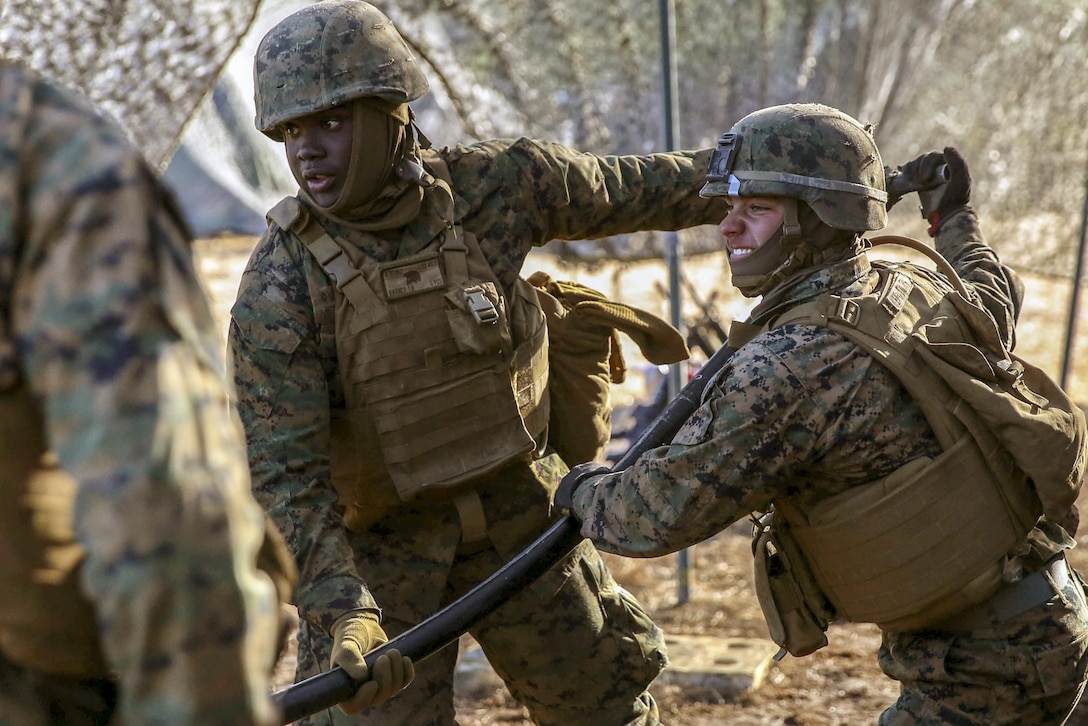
283 397
525 193
118 343
961 242
798 413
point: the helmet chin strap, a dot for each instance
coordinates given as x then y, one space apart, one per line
784 252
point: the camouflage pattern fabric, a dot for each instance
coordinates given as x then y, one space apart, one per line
108 326
802 414
328 54
148 64
512 196
575 609
1024 670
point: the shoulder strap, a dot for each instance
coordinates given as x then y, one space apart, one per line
289 215
440 196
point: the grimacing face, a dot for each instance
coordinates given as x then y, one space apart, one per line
319 151
750 222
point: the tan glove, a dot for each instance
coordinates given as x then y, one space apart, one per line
353 636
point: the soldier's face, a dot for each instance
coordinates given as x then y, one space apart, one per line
751 221
318 152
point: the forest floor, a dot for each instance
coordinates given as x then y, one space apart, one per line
840 685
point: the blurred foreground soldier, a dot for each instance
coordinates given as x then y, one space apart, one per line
391 373
860 407
129 540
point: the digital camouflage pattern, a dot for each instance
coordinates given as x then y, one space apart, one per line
512 195
802 414
104 321
329 53
804 150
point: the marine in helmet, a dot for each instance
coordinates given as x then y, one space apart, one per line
138 580
818 425
391 368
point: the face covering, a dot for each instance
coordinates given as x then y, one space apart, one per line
374 196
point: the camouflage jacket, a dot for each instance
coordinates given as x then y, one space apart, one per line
513 195
799 413
104 321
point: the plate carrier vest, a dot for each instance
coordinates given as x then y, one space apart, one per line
931 539
445 379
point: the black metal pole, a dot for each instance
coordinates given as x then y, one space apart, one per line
673 251
1074 301
327 689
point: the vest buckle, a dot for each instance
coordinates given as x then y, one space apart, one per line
847 310
481 307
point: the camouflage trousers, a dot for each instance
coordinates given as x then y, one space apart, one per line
39 699
573 647
1026 669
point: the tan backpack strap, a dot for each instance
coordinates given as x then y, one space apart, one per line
289 215
942 264
741 333
438 193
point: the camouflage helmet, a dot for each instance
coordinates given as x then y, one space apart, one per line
327 54
807 151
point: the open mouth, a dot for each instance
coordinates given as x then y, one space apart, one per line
318 183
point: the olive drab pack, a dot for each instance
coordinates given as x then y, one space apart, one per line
931 539
585 358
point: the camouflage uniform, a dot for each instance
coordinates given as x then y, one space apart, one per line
574 648
802 414
104 324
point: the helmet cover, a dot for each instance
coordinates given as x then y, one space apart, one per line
327 54
811 152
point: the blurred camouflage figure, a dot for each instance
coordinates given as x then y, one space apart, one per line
129 540
391 373
883 508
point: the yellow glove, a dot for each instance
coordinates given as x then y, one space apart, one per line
353 636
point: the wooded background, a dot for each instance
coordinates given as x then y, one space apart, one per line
1006 83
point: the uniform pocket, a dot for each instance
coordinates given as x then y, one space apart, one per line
640 644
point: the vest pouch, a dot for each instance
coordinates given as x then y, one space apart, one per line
585 358
358 471
441 435
915 547
797 613
478 319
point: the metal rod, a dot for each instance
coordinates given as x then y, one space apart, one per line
1074 301
672 239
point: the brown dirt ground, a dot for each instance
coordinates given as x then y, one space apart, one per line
838 685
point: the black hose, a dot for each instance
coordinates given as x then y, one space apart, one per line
327 689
